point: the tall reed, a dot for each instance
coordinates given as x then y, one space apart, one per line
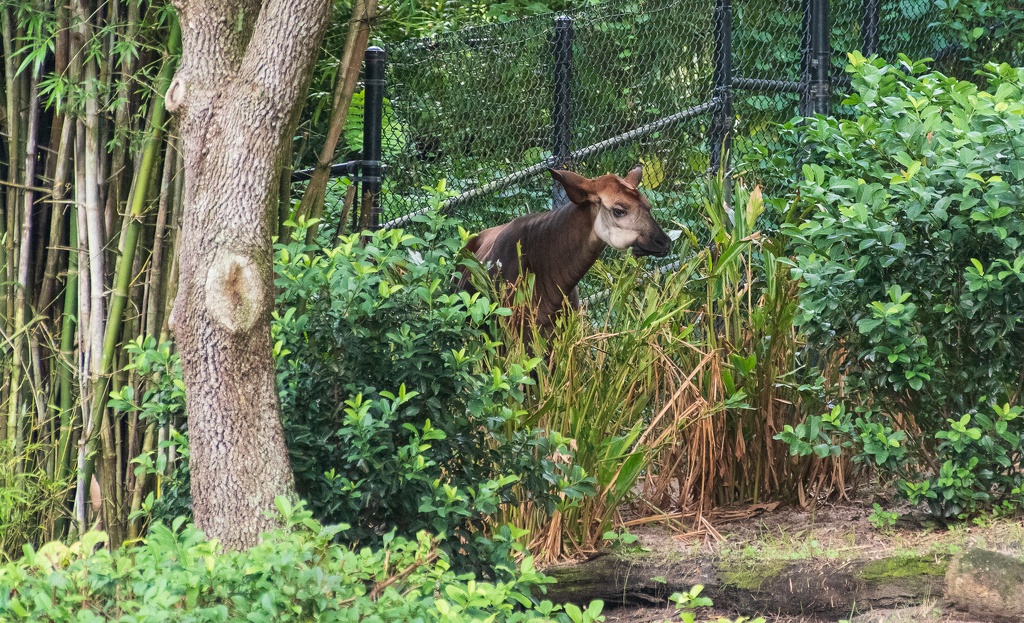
613 384
674 381
746 317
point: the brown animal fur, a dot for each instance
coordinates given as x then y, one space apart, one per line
559 246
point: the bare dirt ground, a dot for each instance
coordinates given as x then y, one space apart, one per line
829 532
920 614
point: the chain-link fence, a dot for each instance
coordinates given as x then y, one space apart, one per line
671 84
490 109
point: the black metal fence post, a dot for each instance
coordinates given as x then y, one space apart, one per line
816 59
720 136
869 28
561 114
371 171
821 90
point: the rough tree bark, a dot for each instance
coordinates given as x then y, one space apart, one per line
245 65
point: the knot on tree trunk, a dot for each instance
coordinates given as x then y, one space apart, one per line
175 94
234 292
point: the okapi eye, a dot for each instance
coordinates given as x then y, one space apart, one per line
618 212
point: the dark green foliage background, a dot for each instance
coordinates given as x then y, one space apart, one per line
912 268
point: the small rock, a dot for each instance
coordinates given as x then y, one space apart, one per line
987 585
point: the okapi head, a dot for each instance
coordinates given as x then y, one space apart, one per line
559 246
621 215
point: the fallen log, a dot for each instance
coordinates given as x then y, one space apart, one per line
830 588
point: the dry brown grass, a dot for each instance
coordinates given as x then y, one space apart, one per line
673 393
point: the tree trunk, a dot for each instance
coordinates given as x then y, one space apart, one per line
986 584
243 69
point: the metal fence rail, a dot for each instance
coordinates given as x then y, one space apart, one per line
683 86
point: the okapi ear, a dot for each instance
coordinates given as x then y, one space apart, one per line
634 177
577 187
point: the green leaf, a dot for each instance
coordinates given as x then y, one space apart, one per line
867 325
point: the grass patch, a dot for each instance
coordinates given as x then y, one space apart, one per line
750 577
902 566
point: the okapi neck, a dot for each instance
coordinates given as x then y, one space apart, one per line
567 246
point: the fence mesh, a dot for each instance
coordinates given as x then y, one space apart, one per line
478 107
488 109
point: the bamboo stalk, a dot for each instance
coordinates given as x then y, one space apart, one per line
66 362
312 205
91 207
155 288
122 118
96 236
111 178
57 194
170 293
15 421
84 360
39 393
177 210
135 526
9 225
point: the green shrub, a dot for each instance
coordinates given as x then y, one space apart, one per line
297 573
986 30
162 406
912 273
394 416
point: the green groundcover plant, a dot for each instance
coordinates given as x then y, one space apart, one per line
913 279
297 573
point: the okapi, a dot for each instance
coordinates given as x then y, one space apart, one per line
559 246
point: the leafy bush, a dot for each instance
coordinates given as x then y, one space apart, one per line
395 418
31 502
986 30
912 272
979 458
297 573
394 415
162 406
